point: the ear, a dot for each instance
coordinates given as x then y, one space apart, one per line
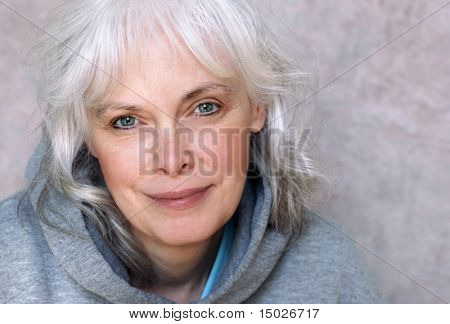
258 118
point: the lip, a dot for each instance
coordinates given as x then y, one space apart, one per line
181 199
178 194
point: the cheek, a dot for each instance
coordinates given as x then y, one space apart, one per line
224 155
232 152
119 162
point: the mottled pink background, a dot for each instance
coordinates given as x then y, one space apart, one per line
386 135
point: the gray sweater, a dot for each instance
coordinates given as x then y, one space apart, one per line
40 264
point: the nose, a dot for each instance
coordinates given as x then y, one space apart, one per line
173 155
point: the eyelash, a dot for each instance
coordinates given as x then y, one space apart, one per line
197 115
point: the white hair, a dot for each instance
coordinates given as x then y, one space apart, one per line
80 58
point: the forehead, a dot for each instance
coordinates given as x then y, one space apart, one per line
165 70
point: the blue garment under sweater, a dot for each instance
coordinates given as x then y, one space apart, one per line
221 258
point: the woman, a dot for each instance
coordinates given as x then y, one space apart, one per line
164 173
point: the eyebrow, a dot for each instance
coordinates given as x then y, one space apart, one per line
191 94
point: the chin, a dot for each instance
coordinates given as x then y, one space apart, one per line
188 229
185 237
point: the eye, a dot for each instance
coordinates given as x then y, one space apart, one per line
207 108
124 123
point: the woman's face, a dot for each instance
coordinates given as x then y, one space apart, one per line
184 128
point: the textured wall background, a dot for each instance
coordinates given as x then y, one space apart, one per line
385 140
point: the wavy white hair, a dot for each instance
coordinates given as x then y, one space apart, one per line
80 58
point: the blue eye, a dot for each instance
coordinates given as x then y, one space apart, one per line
207 108
125 122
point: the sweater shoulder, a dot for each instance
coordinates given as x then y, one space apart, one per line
326 261
323 235
11 209
322 244
19 228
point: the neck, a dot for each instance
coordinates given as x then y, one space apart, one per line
181 272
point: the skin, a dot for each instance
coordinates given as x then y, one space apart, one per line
181 244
